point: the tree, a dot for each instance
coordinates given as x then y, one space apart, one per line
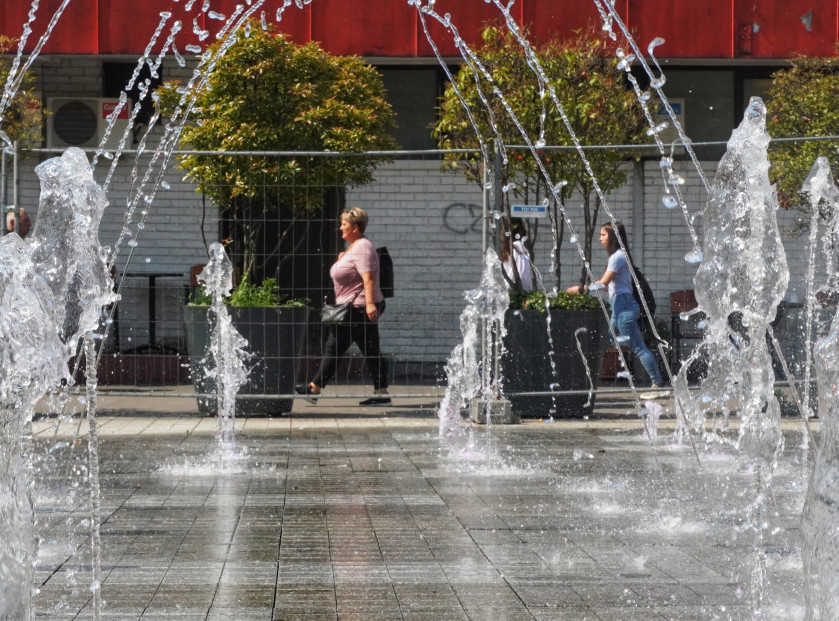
593 93
22 118
802 102
270 94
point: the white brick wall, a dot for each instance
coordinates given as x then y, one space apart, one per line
435 241
169 242
429 221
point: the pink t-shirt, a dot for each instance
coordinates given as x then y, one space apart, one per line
346 273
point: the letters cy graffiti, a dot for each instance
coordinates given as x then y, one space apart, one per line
461 218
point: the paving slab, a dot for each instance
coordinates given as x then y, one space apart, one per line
338 512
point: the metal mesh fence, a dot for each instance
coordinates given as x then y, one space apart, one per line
429 219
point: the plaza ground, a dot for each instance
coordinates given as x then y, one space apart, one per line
336 512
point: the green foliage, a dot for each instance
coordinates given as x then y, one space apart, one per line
536 300
22 119
802 102
199 297
270 94
267 93
592 91
247 294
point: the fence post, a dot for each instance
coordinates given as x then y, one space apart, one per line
3 181
15 189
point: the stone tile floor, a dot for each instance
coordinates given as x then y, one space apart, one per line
337 512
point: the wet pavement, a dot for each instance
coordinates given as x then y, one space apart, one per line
339 512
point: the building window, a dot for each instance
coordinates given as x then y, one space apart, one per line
115 77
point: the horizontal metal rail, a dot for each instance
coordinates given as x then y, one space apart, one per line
407 152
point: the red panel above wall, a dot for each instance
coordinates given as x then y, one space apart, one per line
297 23
123 31
366 27
782 29
690 29
735 29
293 21
551 19
468 17
75 33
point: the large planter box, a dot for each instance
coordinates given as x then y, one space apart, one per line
526 364
275 337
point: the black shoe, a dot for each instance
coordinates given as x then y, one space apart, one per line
304 389
380 401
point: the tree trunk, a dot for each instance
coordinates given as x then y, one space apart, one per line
559 235
590 214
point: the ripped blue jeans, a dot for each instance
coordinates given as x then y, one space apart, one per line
625 313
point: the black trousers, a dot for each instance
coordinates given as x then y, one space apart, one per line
364 333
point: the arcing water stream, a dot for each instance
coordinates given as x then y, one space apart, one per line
54 287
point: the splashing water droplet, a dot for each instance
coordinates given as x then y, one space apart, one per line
165 185
654 44
573 239
658 128
658 82
694 257
539 143
669 201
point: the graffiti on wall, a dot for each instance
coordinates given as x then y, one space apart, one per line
462 218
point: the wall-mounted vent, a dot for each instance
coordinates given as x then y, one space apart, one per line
82 122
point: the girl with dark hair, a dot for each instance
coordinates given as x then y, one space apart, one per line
625 310
515 258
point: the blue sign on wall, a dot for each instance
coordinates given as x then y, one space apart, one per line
528 211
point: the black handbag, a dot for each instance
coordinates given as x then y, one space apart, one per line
337 313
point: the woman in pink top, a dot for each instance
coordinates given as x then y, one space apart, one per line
355 276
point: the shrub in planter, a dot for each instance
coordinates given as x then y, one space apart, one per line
533 362
274 328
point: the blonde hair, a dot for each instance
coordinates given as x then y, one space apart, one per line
357 217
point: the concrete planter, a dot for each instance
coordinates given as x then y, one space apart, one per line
275 336
526 364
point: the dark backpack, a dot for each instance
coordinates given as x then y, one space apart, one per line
646 293
385 272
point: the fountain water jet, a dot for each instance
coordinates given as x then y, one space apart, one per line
53 288
754 442
227 355
820 518
471 378
739 284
